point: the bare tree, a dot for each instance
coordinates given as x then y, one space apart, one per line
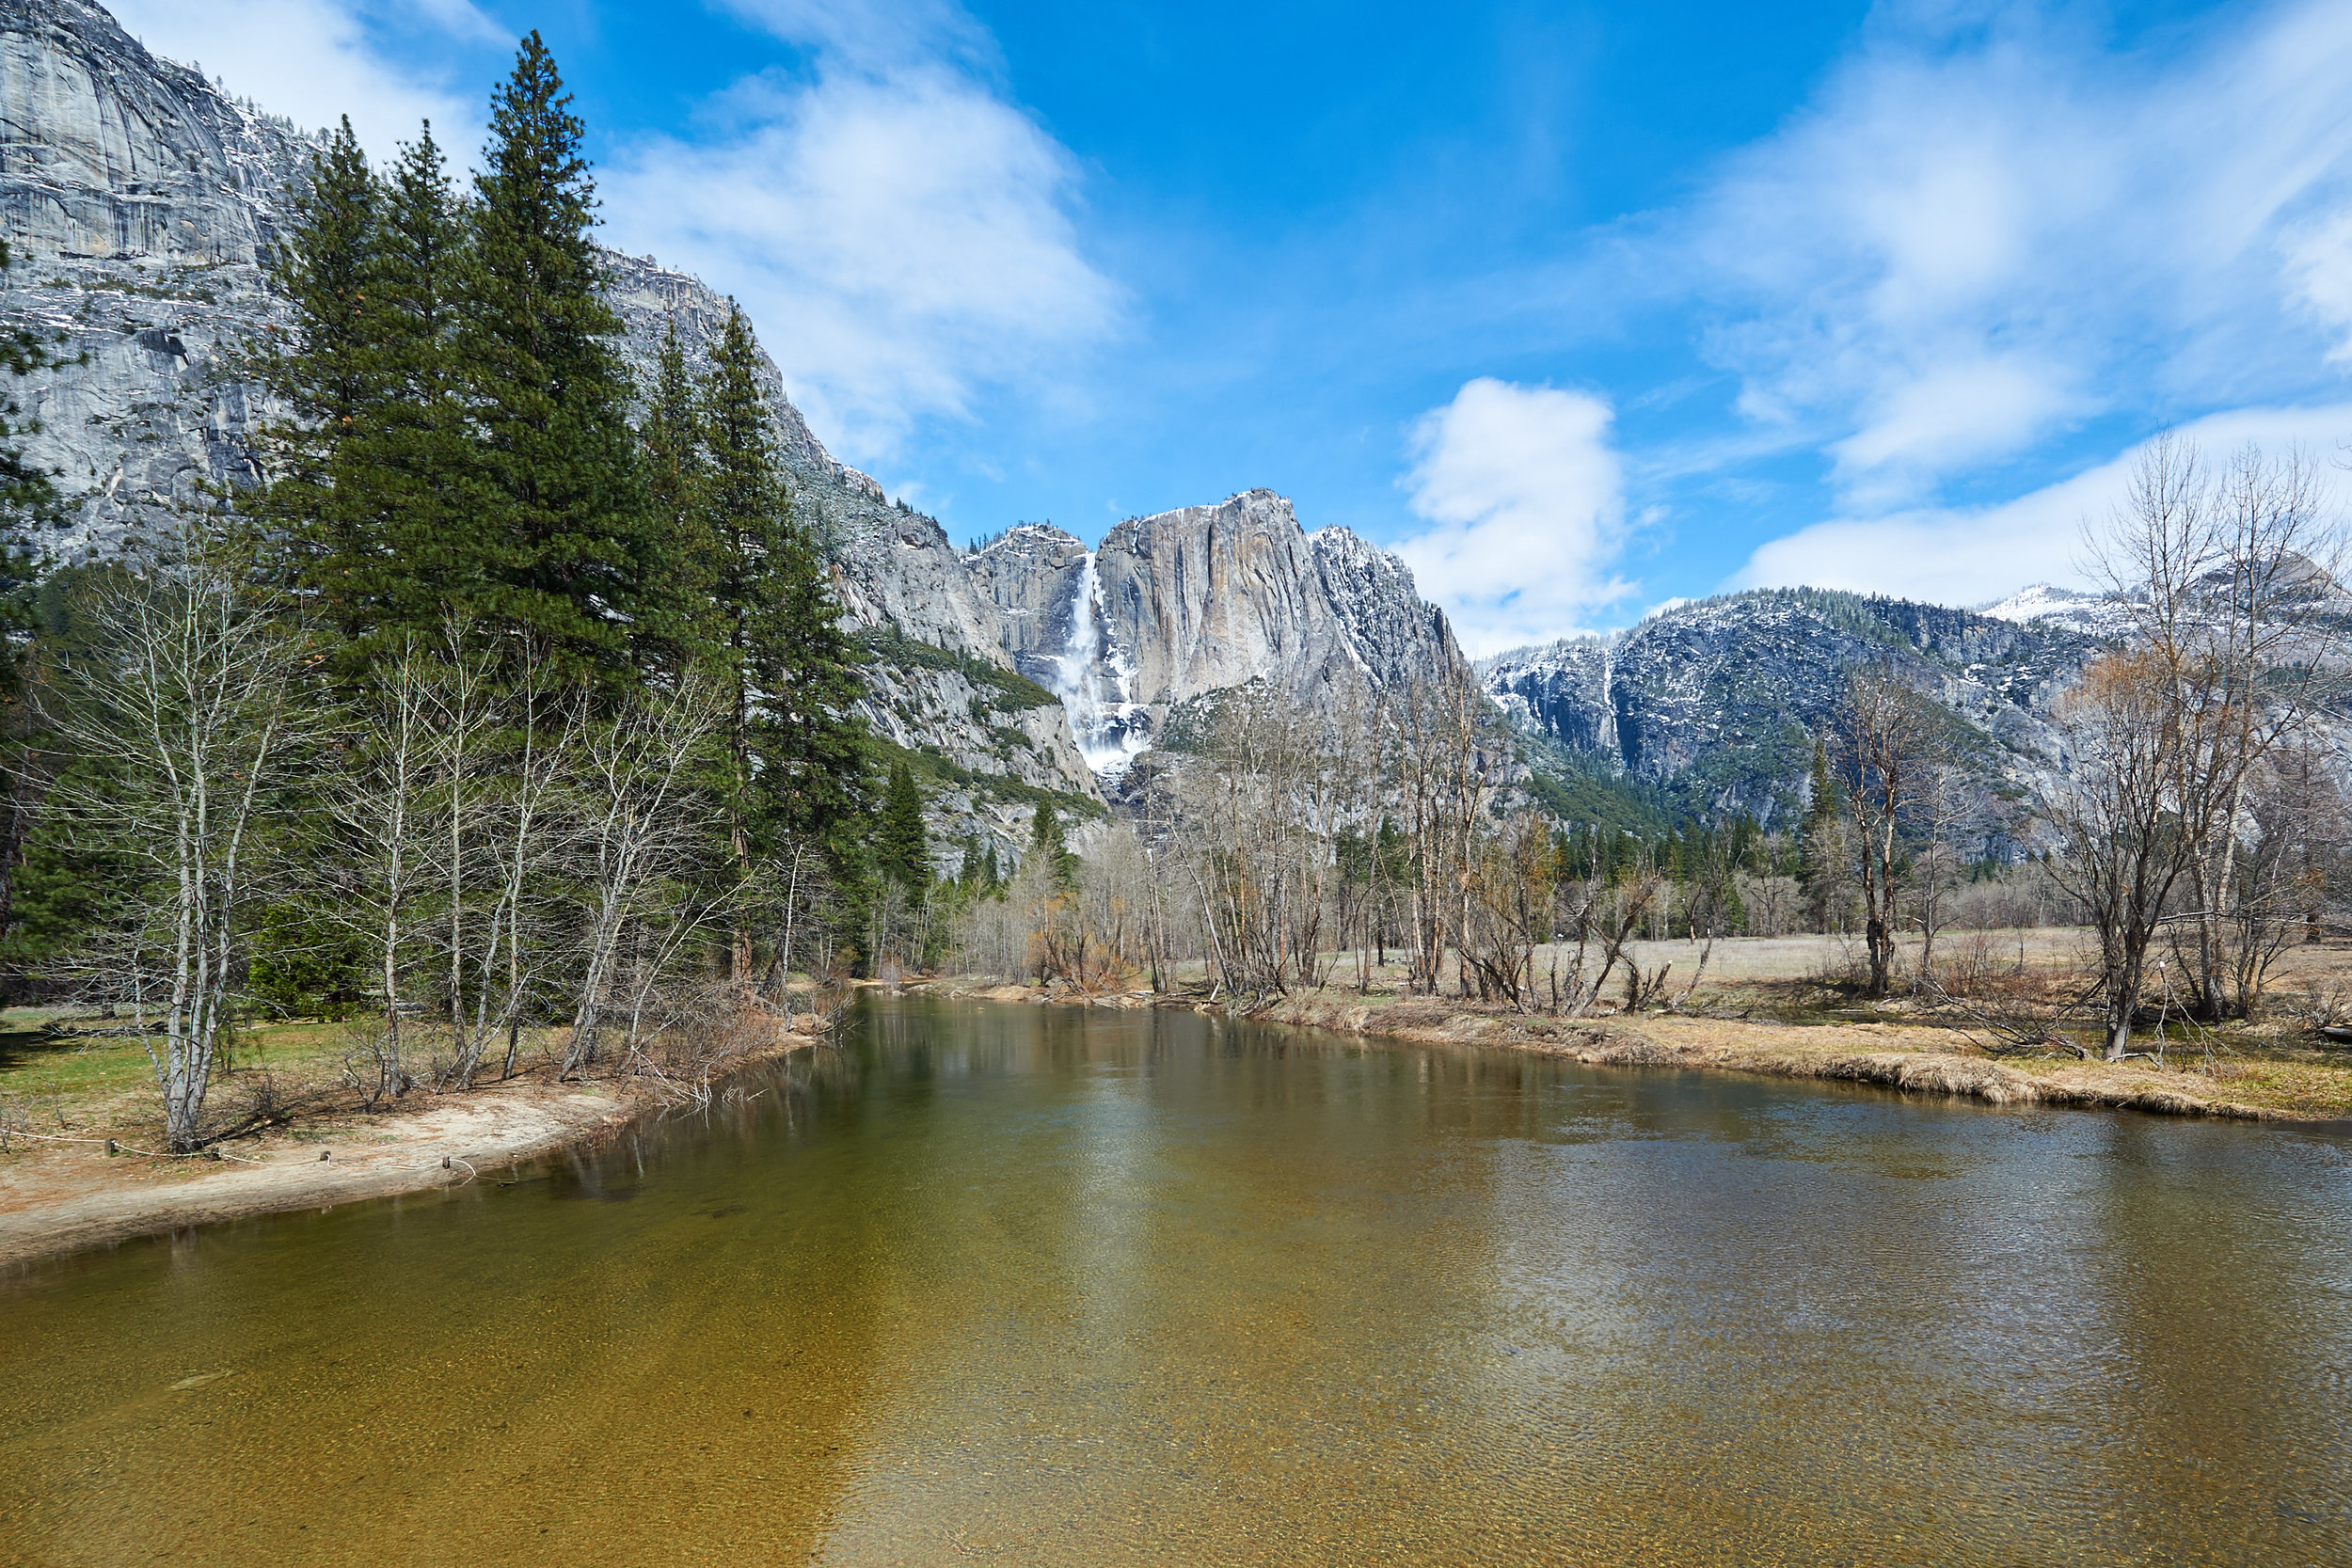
1514 873
1942 801
1602 913
2294 835
380 799
186 719
2229 584
645 825
2125 846
1883 734
1262 814
794 886
506 739
1442 757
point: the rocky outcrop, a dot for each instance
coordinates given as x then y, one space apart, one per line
1721 699
107 152
1202 599
1395 633
1209 598
1214 597
1034 575
2091 614
141 205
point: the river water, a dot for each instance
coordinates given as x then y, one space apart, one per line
1045 1286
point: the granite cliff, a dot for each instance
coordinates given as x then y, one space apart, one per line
141 204
1181 604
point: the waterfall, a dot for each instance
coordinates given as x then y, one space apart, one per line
1094 685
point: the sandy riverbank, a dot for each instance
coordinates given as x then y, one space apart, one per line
57 1197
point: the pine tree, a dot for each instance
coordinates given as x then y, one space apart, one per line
322 369
734 522
1046 839
566 553
809 693
1820 870
28 498
671 466
411 459
901 844
28 502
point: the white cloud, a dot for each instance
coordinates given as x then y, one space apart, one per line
1951 414
1984 230
1526 503
1965 556
876 34
899 233
313 60
2319 260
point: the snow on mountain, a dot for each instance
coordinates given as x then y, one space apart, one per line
2091 614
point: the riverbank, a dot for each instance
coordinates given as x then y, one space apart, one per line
1893 1053
61 1192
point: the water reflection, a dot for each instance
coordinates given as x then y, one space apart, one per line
1039 1285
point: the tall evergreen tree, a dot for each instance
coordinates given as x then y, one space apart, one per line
1047 840
1820 871
28 502
671 466
901 843
322 366
566 553
412 457
809 693
28 498
734 515
753 605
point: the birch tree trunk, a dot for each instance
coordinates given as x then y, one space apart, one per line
185 707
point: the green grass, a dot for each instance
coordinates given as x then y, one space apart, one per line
74 1066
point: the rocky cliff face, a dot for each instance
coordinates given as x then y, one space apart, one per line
1184 603
142 203
1034 576
1721 698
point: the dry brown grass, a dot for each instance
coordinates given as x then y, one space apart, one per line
1778 1006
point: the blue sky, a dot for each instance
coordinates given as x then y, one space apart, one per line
1578 308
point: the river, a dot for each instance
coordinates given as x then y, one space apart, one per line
1044 1286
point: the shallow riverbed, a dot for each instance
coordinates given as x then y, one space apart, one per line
1035 1285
